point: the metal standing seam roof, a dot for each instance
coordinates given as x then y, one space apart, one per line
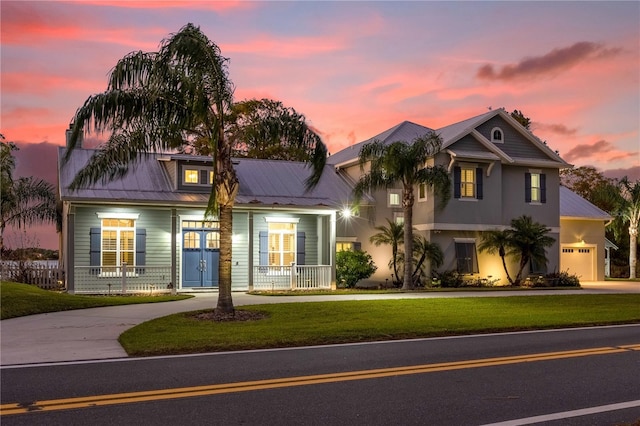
574 206
262 182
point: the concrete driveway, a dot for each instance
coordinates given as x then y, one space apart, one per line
90 334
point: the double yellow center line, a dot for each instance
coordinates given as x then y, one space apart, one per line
174 393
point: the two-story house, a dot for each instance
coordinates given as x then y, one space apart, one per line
499 171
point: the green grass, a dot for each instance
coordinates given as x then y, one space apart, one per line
18 300
314 323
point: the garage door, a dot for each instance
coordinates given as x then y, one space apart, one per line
579 261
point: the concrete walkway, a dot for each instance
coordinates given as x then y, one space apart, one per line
89 334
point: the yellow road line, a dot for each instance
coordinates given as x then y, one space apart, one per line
186 392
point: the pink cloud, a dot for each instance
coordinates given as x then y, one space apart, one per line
285 47
552 62
601 149
558 129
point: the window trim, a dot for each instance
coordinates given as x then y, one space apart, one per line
422 198
529 188
493 139
474 259
396 192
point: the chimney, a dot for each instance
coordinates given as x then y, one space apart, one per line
68 132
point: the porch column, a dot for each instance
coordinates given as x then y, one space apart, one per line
174 251
70 255
332 248
250 236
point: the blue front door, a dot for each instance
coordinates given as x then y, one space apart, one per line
200 256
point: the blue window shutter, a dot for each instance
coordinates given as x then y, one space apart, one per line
141 248
527 187
94 249
263 249
479 183
456 182
543 188
300 255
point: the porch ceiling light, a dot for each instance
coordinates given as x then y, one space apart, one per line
346 212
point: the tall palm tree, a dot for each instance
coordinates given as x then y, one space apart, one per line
629 211
159 101
24 201
497 241
392 235
404 163
528 241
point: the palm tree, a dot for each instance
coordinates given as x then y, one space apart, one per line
24 201
159 101
528 241
424 250
629 211
497 241
392 235
405 163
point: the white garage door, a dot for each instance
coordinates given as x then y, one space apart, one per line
579 261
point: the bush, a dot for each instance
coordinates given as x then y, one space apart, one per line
353 266
562 279
449 279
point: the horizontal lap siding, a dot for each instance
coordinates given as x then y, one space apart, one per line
240 252
515 144
156 222
307 224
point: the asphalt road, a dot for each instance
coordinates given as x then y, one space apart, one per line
585 376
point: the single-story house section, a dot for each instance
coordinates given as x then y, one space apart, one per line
146 231
583 248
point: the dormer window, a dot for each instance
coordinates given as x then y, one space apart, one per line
496 135
190 176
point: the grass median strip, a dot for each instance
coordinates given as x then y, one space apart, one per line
315 323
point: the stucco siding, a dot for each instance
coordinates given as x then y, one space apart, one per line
576 233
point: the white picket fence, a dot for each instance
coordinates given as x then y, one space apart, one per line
44 274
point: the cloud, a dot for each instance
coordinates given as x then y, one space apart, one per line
554 61
603 149
559 129
632 173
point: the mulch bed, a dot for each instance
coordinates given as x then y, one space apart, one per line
238 315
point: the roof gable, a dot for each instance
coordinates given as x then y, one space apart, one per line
405 131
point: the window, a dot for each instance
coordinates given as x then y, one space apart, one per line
211 177
467 182
190 176
422 192
535 189
117 241
466 258
394 199
496 135
282 244
398 218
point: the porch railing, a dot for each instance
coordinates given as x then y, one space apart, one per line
122 279
294 277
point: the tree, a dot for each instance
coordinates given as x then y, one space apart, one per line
497 241
392 235
423 251
404 163
159 101
528 241
521 118
629 212
24 201
267 129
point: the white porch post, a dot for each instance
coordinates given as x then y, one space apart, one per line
292 277
174 245
332 249
123 269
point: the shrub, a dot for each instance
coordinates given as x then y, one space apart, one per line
448 279
353 266
562 279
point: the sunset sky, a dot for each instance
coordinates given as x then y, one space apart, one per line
353 69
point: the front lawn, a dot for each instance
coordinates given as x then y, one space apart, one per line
315 323
17 300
